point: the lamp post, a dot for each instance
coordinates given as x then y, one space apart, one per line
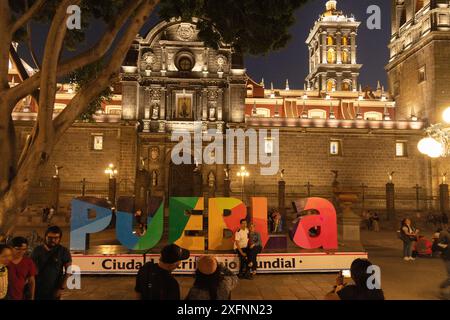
437 144
112 172
243 173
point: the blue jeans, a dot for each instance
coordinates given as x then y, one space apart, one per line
407 248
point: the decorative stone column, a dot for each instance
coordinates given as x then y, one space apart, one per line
339 81
353 47
338 47
282 199
226 182
324 47
112 187
198 183
56 181
443 198
390 200
351 222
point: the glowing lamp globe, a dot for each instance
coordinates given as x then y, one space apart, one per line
436 150
425 145
446 115
435 154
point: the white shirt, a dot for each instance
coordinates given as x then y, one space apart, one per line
241 237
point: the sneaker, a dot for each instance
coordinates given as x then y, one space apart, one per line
406 258
412 259
248 277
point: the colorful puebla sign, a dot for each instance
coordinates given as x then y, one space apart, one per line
185 214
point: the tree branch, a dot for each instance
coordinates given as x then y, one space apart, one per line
53 48
27 15
91 55
6 36
81 100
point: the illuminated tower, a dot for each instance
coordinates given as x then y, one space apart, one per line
332 52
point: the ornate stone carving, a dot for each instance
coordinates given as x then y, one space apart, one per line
221 61
213 95
154 178
154 154
185 32
148 60
155 94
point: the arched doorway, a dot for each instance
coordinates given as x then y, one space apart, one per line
181 180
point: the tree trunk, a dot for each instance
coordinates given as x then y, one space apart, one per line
7 148
13 201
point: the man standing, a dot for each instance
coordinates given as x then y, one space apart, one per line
444 241
52 261
155 281
22 271
240 247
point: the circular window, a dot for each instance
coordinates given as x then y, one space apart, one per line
185 61
185 64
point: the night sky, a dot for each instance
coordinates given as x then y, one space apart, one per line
292 62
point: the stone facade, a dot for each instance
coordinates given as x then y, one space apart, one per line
418 70
171 81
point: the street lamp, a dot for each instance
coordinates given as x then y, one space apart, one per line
437 144
112 172
243 173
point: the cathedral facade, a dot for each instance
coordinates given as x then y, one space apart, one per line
171 81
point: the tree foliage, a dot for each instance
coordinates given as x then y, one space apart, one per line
252 26
81 78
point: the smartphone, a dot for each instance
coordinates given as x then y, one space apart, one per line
346 273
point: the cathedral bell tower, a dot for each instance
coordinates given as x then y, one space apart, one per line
332 52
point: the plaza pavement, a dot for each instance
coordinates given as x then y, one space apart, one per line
400 280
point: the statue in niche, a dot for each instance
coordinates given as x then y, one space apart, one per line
212 113
211 180
154 178
154 153
155 111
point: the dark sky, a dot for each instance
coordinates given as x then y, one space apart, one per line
292 62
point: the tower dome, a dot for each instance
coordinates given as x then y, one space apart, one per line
331 5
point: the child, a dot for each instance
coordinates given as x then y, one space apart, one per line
5 259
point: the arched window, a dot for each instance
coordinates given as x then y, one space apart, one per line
330 40
347 85
331 84
345 40
345 56
317 114
331 56
403 17
373 116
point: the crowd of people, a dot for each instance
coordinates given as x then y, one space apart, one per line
42 274
39 276
415 244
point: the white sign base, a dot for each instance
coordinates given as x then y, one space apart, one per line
267 262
